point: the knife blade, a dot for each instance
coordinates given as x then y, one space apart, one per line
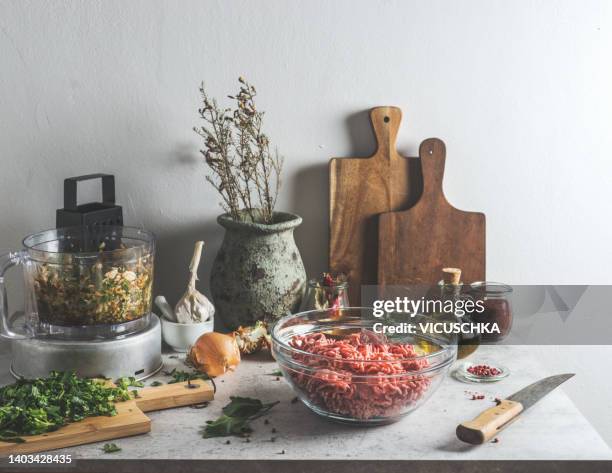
490 422
531 394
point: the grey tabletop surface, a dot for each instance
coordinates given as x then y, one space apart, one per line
553 429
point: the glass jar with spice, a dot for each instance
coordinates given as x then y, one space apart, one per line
495 298
326 292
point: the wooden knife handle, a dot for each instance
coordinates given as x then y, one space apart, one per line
488 424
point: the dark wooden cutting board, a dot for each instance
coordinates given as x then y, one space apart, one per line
415 244
360 190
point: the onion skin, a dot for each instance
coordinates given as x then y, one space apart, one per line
214 354
252 339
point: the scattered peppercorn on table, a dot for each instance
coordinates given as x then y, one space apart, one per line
552 429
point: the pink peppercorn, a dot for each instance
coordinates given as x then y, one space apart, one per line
484 371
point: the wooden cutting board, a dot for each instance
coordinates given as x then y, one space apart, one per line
130 419
362 188
414 245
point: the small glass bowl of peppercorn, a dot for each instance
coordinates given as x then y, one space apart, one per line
482 371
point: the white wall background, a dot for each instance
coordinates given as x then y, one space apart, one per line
520 91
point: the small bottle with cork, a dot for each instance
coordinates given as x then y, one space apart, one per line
451 290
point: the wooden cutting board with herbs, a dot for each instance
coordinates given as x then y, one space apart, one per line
64 410
360 190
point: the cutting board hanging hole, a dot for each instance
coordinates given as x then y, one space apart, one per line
386 119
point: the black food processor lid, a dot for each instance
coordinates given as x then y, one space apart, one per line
93 215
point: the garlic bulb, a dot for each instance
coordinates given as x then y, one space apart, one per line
214 354
194 307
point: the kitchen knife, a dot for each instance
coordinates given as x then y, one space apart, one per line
490 422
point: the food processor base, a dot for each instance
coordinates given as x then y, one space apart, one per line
137 354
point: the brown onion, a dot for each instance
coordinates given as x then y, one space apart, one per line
214 353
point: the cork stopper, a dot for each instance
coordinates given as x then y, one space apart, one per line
451 276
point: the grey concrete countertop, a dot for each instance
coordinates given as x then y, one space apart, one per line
553 429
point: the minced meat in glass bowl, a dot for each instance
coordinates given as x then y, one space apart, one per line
343 368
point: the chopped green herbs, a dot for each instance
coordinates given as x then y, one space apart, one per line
236 418
179 376
111 448
156 383
12 439
182 376
36 406
126 382
275 373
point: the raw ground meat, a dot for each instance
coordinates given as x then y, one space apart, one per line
336 385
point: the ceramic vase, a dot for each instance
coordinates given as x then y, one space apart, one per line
258 273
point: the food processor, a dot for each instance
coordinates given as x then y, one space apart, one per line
88 294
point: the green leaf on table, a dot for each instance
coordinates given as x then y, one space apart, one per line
236 417
111 448
246 407
225 426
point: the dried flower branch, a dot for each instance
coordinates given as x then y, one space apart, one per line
243 169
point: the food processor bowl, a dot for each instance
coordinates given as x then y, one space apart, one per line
84 282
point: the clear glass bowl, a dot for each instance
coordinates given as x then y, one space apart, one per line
462 373
366 392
